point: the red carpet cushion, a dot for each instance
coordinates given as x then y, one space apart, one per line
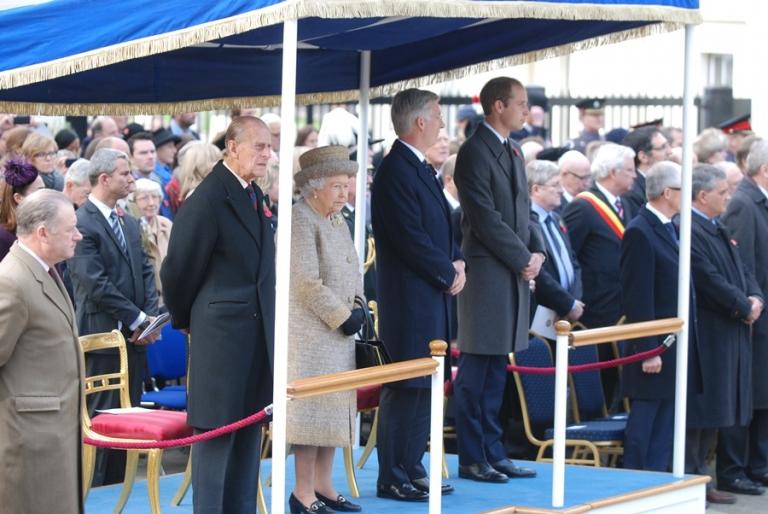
159 425
368 397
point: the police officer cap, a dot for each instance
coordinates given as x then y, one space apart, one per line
591 104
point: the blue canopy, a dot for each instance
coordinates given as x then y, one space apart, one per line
105 56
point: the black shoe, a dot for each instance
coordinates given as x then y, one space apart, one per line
340 504
422 484
482 473
759 479
508 467
404 493
317 507
741 486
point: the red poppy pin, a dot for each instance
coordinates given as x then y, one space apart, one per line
120 215
734 242
517 152
267 211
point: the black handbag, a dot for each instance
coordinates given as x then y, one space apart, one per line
369 349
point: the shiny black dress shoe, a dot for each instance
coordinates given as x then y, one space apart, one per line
759 479
340 504
422 484
317 507
403 493
508 467
482 473
741 486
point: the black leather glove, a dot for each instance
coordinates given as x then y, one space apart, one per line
353 323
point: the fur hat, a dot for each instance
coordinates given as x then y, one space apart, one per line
324 161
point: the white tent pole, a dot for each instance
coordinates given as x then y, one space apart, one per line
362 155
283 262
437 397
684 270
561 404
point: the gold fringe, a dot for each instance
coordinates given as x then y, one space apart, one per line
296 9
331 97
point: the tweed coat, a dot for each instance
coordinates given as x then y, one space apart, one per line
325 277
155 235
747 221
497 242
40 392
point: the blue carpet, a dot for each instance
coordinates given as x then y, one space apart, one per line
583 484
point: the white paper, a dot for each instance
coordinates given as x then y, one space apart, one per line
544 322
127 410
161 321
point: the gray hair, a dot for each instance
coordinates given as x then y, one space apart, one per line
610 157
704 178
407 106
104 160
540 172
758 157
570 158
710 141
660 176
40 208
311 185
79 172
145 185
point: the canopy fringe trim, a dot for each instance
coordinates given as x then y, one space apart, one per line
331 97
296 9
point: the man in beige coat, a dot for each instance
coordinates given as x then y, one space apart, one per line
40 364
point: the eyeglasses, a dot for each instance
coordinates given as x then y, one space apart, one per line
45 155
580 177
665 146
553 186
674 188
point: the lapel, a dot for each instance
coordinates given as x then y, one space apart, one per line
100 219
53 290
658 227
500 156
239 202
752 190
424 175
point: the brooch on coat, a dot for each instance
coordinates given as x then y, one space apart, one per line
337 219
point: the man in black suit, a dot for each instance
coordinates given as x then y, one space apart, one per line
348 212
114 286
650 147
575 176
558 286
503 255
419 267
747 221
728 302
649 263
219 286
595 221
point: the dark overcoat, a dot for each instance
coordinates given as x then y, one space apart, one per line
415 250
497 243
649 269
725 353
549 291
747 221
598 250
635 197
219 282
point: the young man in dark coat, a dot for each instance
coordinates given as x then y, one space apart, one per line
419 267
747 221
219 286
650 147
503 255
728 303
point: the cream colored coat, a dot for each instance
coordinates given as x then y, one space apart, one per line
40 391
156 235
325 278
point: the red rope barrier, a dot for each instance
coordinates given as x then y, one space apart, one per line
184 441
592 365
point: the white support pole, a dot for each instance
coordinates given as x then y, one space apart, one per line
561 380
684 269
438 349
362 155
283 261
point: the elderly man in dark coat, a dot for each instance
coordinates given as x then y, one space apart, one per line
747 221
419 267
503 255
219 285
728 302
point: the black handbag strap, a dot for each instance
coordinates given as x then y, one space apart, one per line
367 331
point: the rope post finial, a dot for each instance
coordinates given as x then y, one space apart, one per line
563 328
438 347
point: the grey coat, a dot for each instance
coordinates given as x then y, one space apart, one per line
325 277
747 221
498 241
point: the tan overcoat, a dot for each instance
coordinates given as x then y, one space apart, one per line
155 237
325 277
40 391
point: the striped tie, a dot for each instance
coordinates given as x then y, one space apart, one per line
113 221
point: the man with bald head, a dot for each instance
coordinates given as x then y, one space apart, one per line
219 286
574 176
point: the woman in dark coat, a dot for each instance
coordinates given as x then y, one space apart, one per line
20 180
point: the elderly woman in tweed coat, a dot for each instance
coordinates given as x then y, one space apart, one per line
325 278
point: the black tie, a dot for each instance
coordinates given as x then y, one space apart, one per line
671 229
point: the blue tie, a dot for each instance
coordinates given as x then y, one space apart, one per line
113 221
672 232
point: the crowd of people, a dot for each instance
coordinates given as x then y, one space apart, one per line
475 237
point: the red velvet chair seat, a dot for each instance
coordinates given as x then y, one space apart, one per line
158 425
368 397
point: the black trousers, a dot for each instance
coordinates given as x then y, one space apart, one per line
698 443
758 443
403 433
732 453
